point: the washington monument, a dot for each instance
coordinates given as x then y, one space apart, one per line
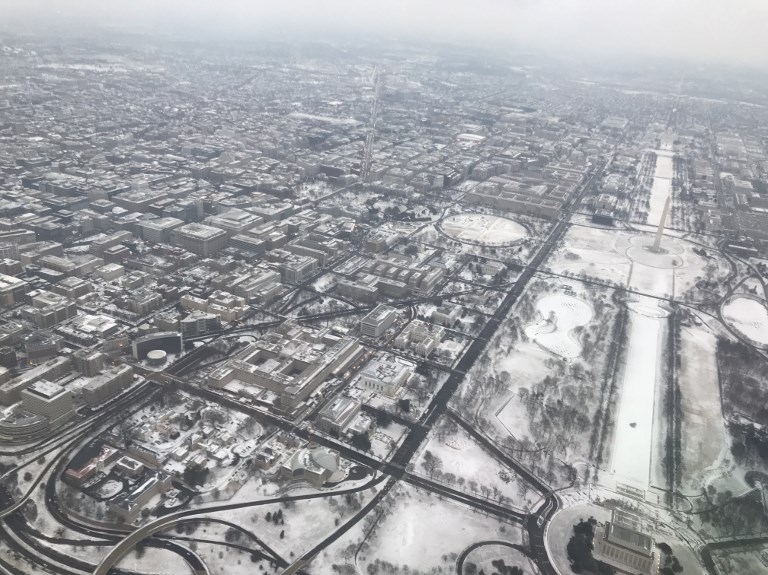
662 221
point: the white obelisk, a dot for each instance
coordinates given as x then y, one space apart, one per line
662 221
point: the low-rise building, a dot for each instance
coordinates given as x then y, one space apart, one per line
420 338
447 314
386 374
339 413
312 464
128 506
625 548
106 455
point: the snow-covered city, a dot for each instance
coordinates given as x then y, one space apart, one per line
350 307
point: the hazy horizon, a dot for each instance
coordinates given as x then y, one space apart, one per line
701 31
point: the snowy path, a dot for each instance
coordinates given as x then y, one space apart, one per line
632 447
662 187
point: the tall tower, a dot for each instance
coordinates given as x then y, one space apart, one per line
368 149
662 221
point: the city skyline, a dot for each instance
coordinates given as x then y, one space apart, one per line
704 32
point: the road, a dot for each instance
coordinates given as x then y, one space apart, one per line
139 395
534 524
395 468
463 555
163 523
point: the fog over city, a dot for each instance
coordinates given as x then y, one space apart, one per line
705 31
398 287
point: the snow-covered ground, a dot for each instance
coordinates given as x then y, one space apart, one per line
305 522
325 282
633 442
514 417
466 466
662 186
625 258
646 279
222 560
560 315
704 437
484 229
483 557
399 538
528 363
155 561
752 559
748 316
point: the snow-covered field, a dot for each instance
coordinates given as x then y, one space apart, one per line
514 417
483 557
475 470
704 437
528 363
649 280
484 229
399 538
625 258
662 187
156 561
560 315
306 522
748 316
633 442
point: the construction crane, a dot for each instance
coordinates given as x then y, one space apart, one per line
365 172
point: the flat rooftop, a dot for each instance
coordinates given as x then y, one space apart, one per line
200 231
45 389
630 539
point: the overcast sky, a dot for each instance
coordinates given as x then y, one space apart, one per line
729 31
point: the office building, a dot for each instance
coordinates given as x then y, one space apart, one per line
88 362
289 364
127 506
12 290
378 321
41 346
169 342
107 385
199 323
48 400
159 230
199 239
